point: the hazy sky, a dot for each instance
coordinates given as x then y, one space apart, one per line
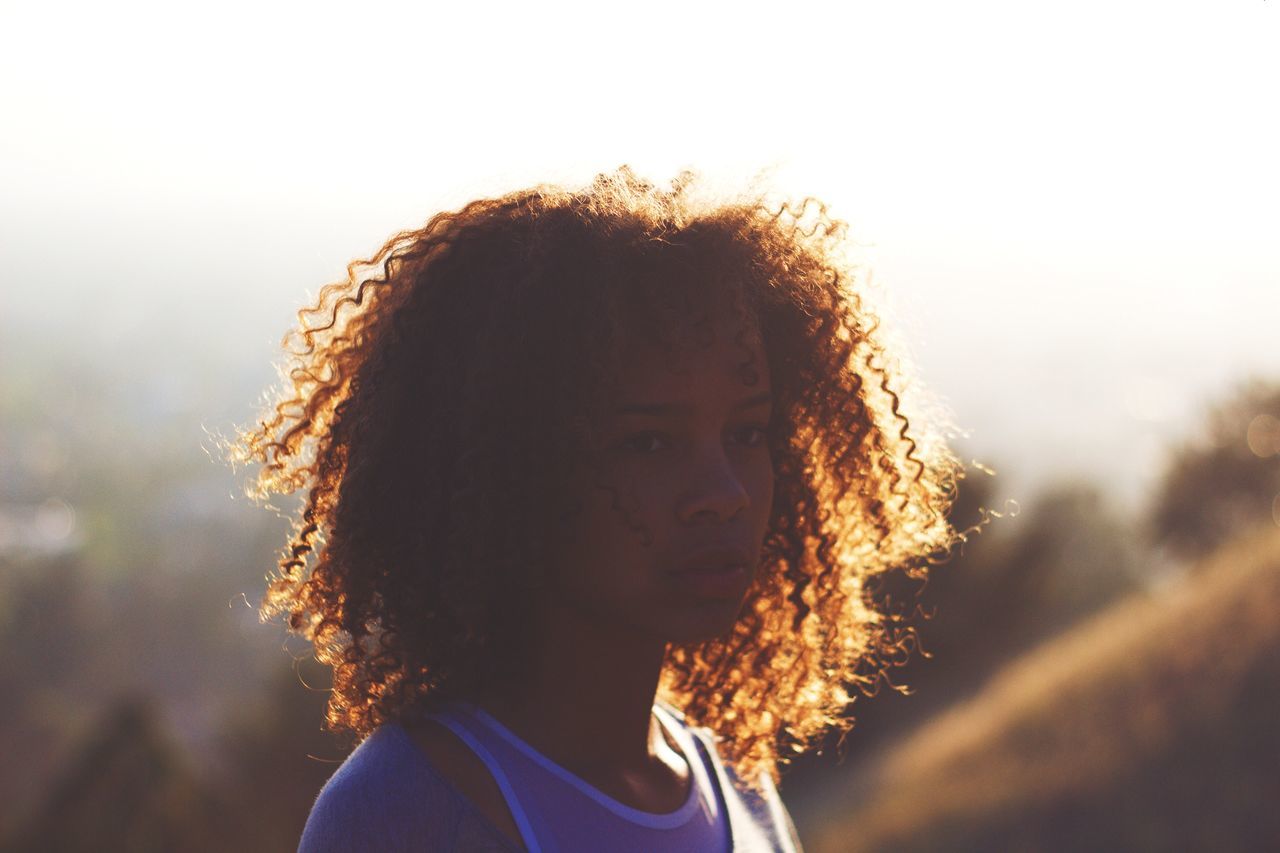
1075 207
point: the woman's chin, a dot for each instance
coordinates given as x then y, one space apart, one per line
705 622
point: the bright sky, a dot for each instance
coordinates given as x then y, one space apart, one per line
1075 205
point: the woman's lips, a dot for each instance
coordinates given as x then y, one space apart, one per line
713 577
714 559
713 583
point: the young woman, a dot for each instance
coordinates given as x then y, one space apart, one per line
595 484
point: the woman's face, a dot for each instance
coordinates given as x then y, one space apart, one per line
676 501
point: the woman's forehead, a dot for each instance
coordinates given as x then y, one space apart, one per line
722 351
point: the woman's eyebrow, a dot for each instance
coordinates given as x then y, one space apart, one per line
683 408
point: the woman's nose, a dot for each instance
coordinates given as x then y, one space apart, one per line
715 490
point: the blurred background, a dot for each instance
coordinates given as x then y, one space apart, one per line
1070 210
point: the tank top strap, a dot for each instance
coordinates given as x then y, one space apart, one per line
454 723
702 767
711 769
747 829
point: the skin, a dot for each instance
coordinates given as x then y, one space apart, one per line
684 451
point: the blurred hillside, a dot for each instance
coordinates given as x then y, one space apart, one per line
1149 727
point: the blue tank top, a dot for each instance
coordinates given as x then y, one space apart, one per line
556 811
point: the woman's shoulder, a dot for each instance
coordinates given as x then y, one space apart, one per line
387 796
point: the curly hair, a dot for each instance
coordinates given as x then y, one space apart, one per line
433 400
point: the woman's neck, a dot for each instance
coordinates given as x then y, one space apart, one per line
586 697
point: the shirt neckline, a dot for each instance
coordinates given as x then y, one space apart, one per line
652 820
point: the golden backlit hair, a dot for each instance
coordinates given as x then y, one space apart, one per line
427 416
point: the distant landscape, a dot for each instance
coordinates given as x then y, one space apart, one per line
154 712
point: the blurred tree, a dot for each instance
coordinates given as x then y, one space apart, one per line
1227 479
52 632
1017 580
128 788
1074 554
278 757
